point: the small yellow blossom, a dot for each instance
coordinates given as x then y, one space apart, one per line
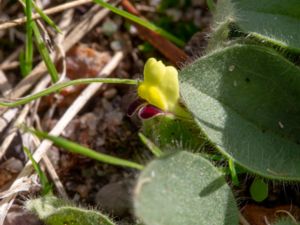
160 86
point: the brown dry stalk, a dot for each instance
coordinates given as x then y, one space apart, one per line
53 10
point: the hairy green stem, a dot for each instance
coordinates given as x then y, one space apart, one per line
59 86
79 149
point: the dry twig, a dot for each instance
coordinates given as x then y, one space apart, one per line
72 111
243 220
53 10
92 18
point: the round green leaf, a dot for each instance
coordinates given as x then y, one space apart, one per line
259 190
246 99
184 188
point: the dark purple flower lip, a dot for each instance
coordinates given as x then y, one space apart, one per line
135 106
149 112
143 109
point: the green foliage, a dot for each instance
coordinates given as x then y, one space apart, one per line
245 98
233 173
26 62
79 149
54 211
141 22
44 53
184 188
33 29
167 133
46 185
274 21
23 66
46 18
151 146
259 190
61 85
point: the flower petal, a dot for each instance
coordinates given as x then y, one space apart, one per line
135 106
170 87
154 71
149 111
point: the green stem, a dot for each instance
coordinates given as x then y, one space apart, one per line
44 16
59 86
79 149
46 185
28 45
151 146
44 53
141 22
233 172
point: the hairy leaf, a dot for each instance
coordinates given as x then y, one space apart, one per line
246 100
184 188
275 21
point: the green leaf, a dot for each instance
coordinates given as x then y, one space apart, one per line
167 133
79 149
259 190
246 100
141 22
54 211
44 16
46 185
184 188
275 21
27 66
45 53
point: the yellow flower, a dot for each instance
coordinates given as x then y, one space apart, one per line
160 86
160 89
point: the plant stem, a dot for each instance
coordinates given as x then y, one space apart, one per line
79 149
59 86
28 45
44 53
141 22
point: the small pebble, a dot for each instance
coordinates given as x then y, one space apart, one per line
110 93
115 197
116 45
13 165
